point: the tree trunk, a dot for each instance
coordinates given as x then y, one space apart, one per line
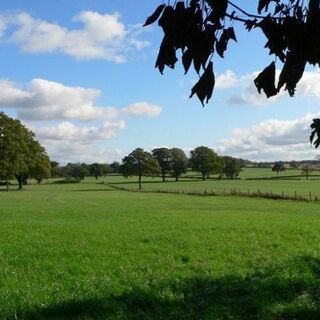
140 185
203 176
163 177
7 184
20 181
177 178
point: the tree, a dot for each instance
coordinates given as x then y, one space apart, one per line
56 170
97 170
115 167
139 163
306 169
294 164
201 30
232 167
76 171
20 153
164 158
179 162
41 169
278 167
206 161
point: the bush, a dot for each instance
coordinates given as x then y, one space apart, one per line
67 180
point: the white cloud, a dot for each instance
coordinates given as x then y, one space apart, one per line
272 140
66 151
67 131
47 100
226 80
244 91
102 36
142 109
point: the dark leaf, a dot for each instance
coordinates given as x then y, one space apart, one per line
204 87
266 81
315 134
219 9
250 24
264 4
221 45
186 60
167 19
154 17
167 55
292 72
274 32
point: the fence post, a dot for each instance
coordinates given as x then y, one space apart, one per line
310 196
295 194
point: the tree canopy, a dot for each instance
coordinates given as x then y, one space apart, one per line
139 163
206 161
21 155
165 160
202 29
179 162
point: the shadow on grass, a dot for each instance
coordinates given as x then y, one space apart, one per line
263 295
91 190
155 182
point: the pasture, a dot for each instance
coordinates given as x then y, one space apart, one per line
251 180
88 251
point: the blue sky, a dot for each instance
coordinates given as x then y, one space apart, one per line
81 75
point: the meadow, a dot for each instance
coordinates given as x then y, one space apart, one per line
251 180
89 251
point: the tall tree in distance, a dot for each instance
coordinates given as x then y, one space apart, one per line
278 167
164 158
201 30
179 162
206 161
232 167
139 163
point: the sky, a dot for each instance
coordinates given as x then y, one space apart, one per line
80 74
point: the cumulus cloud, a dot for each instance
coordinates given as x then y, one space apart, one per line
66 151
272 140
244 91
142 108
67 131
47 100
67 120
101 36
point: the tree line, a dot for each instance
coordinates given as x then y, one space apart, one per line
174 162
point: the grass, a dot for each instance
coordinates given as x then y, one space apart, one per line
88 251
265 181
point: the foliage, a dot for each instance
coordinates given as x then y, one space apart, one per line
97 170
76 170
139 163
278 167
206 161
42 168
203 29
56 170
306 169
115 167
179 162
21 155
165 160
232 167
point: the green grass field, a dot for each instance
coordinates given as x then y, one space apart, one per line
87 251
251 180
